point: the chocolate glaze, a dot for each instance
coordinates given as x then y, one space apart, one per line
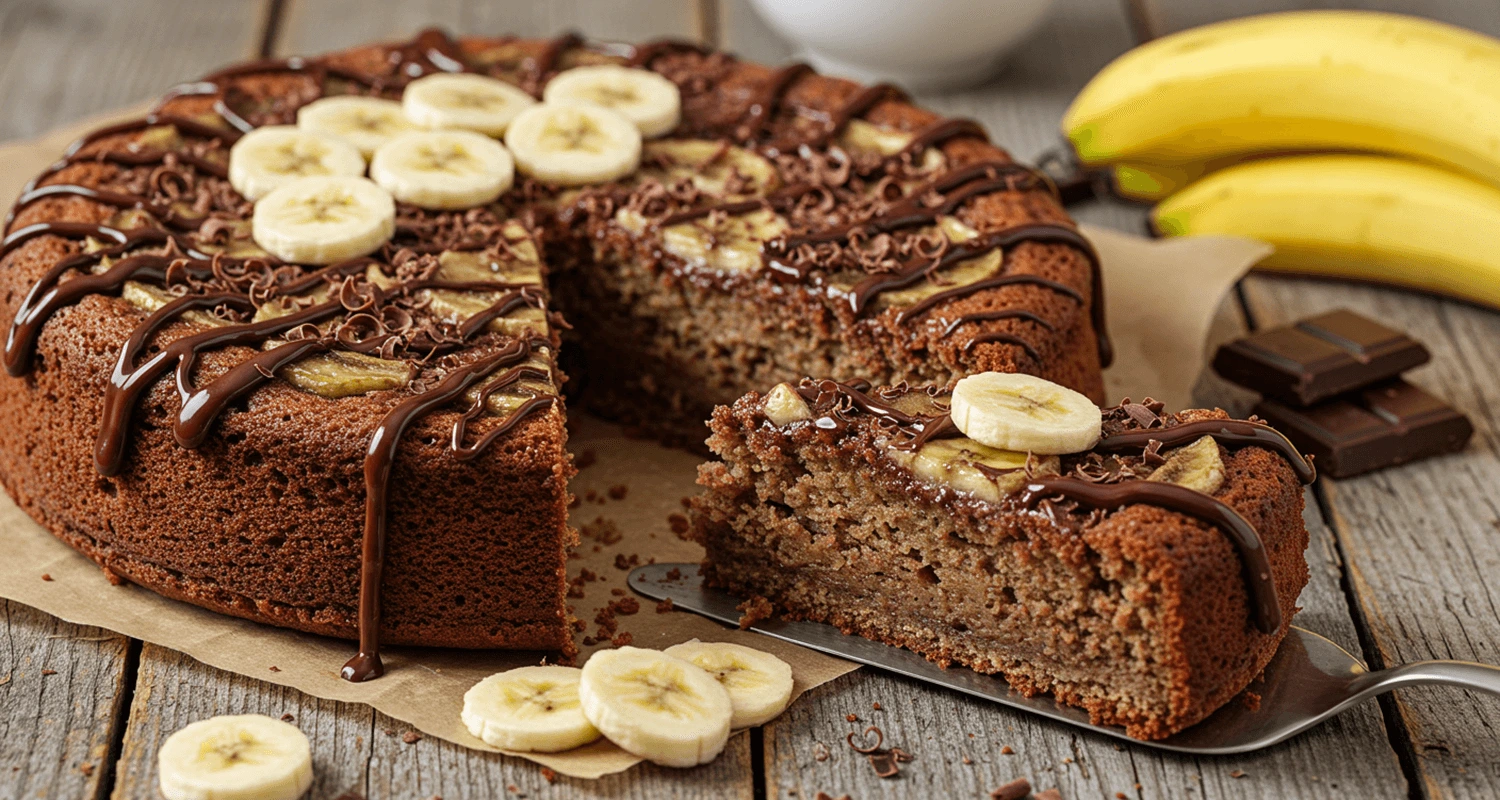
858 103
998 337
1227 432
763 105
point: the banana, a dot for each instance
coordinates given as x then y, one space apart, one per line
322 220
464 101
1024 413
1368 218
759 684
968 466
1148 183
731 243
1297 81
443 169
659 707
645 98
712 166
268 157
365 122
530 710
783 406
249 757
1198 467
574 144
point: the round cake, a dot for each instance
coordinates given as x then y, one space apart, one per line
374 447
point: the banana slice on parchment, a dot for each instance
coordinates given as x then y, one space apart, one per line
269 157
445 170
248 757
759 684
365 122
573 144
322 220
464 101
656 706
645 98
530 709
1024 413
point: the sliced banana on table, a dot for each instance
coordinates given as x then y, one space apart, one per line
248 757
530 709
659 707
759 684
269 157
1024 413
464 101
322 220
645 98
365 122
574 144
443 169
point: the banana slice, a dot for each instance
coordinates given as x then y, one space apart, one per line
530 709
249 757
365 122
270 157
574 144
656 706
645 98
322 220
464 101
759 684
731 243
443 169
1025 414
1198 467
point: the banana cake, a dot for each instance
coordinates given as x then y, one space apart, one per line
287 346
1141 565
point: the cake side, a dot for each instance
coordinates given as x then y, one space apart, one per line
1139 616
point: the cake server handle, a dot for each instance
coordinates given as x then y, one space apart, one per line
1462 674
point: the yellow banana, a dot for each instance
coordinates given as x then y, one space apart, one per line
1363 217
1309 80
1148 183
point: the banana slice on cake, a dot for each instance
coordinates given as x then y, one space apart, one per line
530 709
323 220
443 169
1024 413
645 98
656 706
759 684
267 158
248 757
728 243
574 144
464 101
365 122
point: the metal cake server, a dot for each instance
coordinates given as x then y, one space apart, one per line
1309 680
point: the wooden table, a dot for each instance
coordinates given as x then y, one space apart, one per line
1403 561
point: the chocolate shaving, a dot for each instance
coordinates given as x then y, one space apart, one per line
879 740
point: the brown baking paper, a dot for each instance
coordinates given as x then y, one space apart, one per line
1161 297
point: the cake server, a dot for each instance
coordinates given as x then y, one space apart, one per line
1309 680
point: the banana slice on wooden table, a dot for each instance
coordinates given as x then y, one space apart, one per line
659 707
530 709
365 122
323 220
443 169
574 144
1024 413
645 98
759 684
248 757
464 101
269 157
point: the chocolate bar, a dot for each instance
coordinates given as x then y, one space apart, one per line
1380 426
1319 357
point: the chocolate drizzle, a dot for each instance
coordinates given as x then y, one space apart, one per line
764 104
1227 432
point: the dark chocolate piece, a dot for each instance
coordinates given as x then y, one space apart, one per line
1319 357
1381 426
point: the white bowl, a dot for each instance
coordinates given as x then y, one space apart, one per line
917 44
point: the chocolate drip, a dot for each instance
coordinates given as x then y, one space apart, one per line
21 236
201 407
434 48
1003 338
167 213
940 427
546 61
1265 607
856 106
764 104
1228 432
1004 313
941 131
642 55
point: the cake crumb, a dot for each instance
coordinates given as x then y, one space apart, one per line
820 751
49 672
1251 700
626 606
550 774
590 496
674 574
390 731
876 706
827 796
46 577
617 592
602 530
664 606
1067 761
1239 773
1121 796
618 491
1006 751
968 760
851 717
275 668
411 737
589 641
623 640
679 524
585 459
288 718
754 610
575 502
1048 794
624 563
87 769
1015 790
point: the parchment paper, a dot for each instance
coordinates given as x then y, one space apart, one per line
1160 298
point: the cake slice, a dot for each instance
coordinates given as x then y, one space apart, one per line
1146 575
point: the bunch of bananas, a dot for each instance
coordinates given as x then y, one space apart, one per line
1362 145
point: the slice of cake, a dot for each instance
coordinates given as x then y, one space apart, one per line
1141 565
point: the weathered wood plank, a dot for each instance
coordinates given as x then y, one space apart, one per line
64 59
61 702
1167 16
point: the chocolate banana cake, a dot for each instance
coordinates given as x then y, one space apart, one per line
1147 577
374 446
